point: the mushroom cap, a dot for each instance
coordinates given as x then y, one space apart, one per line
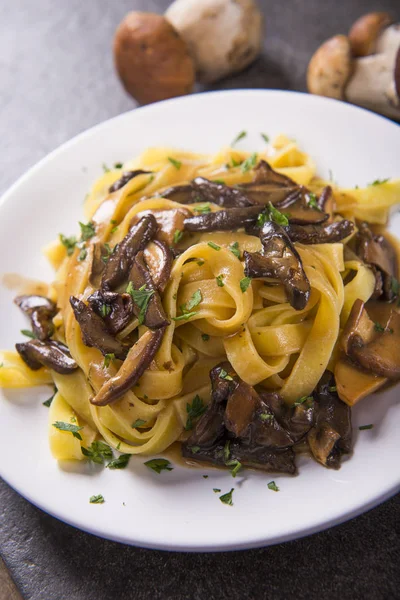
365 32
330 68
223 36
152 60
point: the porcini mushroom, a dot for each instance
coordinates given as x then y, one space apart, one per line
330 68
223 36
365 32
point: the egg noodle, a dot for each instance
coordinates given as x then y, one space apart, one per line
265 339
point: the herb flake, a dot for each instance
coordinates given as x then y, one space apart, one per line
249 163
28 333
176 163
158 465
214 246
87 231
141 298
219 278
234 248
97 452
138 423
99 499
119 463
107 360
194 410
239 137
272 486
379 181
74 429
205 337
244 283
68 242
227 498
265 137
363 427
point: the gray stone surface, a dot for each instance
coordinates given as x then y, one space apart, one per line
57 79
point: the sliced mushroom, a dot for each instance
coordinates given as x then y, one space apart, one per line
298 208
169 222
120 262
203 190
135 364
154 316
126 176
99 259
377 251
95 332
280 260
319 234
41 311
159 259
223 220
353 383
330 438
268 185
296 420
115 309
325 200
50 354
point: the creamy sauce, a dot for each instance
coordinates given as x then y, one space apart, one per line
24 285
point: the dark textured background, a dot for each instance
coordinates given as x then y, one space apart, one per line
57 79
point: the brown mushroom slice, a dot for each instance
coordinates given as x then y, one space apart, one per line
50 354
240 410
296 420
223 220
135 364
224 380
99 259
154 316
115 309
353 384
376 250
325 201
204 190
365 32
126 176
280 260
268 185
358 325
95 332
320 234
159 259
120 262
298 208
169 221
41 311
330 437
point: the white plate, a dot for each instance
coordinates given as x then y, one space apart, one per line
179 510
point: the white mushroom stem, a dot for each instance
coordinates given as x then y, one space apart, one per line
373 83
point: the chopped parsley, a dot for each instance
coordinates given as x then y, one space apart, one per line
159 464
178 236
97 452
363 427
244 283
105 168
265 137
236 466
227 450
74 429
203 208
378 327
185 316
224 375
234 163
272 486
200 262
239 137
138 423
109 252
118 165
68 242
186 309
28 333
105 310
219 278
313 201
108 358
99 499
234 248
249 163
141 298
119 463
176 163
87 231
194 449
216 490
304 400
214 246
219 181
276 216
205 337
227 498
49 400
82 254
266 417
194 410
379 181
205 476
332 388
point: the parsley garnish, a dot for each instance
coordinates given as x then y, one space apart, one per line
332 388
186 316
87 231
219 278
362 427
276 216
234 163
177 163
227 450
219 181
265 137
68 242
224 375
158 465
186 308
205 337
244 283
49 400
249 163
304 399
109 251
202 208
239 137
141 298
82 254
200 262
378 327
227 498
236 466
99 499
177 235
62 426
28 333
138 423
234 248
119 463
118 165
205 476
107 359
379 181
214 246
216 490
313 201
266 417
194 410
97 452
194 449
105 168
105 310
272 486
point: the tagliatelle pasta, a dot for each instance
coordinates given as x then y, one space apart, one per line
214 306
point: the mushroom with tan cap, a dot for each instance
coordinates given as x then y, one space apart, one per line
363 68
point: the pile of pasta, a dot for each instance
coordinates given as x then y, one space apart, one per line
267 342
